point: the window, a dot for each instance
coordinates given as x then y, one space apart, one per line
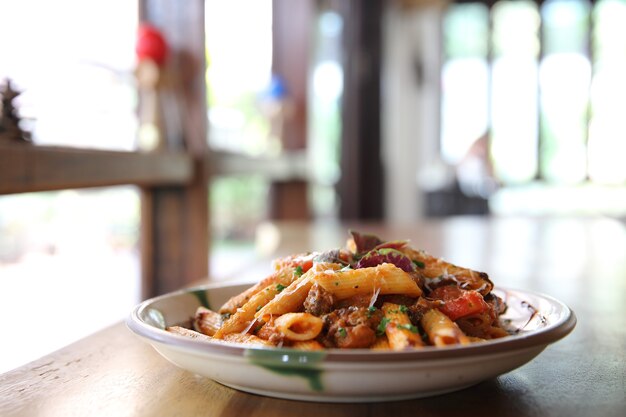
77 83
75 74
248 104
239 61
325 95
545 83
239 85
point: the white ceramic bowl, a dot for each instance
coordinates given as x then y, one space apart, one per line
350 375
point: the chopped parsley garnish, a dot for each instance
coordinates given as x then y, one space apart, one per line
298 272
419 264
404 309
408 326
342 332
370 311
380 330
258 308
336 283
280 287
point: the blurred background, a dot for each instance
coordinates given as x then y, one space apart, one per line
394 111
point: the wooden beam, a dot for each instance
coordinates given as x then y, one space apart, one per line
290 165
29 168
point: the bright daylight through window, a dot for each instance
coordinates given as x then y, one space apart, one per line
76 78
545 85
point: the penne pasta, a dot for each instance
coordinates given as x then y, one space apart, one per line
381 343
376 295
267 331
291 298
247 339
473 339
244 315
207 321
441 330
302 260
437 269
383 279
182 331
283 277
401 333
299 326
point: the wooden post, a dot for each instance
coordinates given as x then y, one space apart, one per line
361 185
175 219
292 28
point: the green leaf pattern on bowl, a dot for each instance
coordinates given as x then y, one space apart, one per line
201 295
291 362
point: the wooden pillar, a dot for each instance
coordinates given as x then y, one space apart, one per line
360 188
174 235
175 219
292 34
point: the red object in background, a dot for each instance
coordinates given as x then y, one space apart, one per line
151 44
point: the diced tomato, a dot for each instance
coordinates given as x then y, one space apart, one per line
459 303
305 261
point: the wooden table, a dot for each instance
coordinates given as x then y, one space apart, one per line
579 261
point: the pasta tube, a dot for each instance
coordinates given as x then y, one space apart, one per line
436 268
183 331
245 314
283 277
319 300
248 339
299 326
381 343
401 333
441 330
291 298
385 278
207 321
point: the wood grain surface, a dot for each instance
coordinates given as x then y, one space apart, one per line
579 261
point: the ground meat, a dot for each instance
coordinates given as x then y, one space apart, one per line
421 306
359 336
481 325
268 332
319 301
498 306
361 300
399 299
351 327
